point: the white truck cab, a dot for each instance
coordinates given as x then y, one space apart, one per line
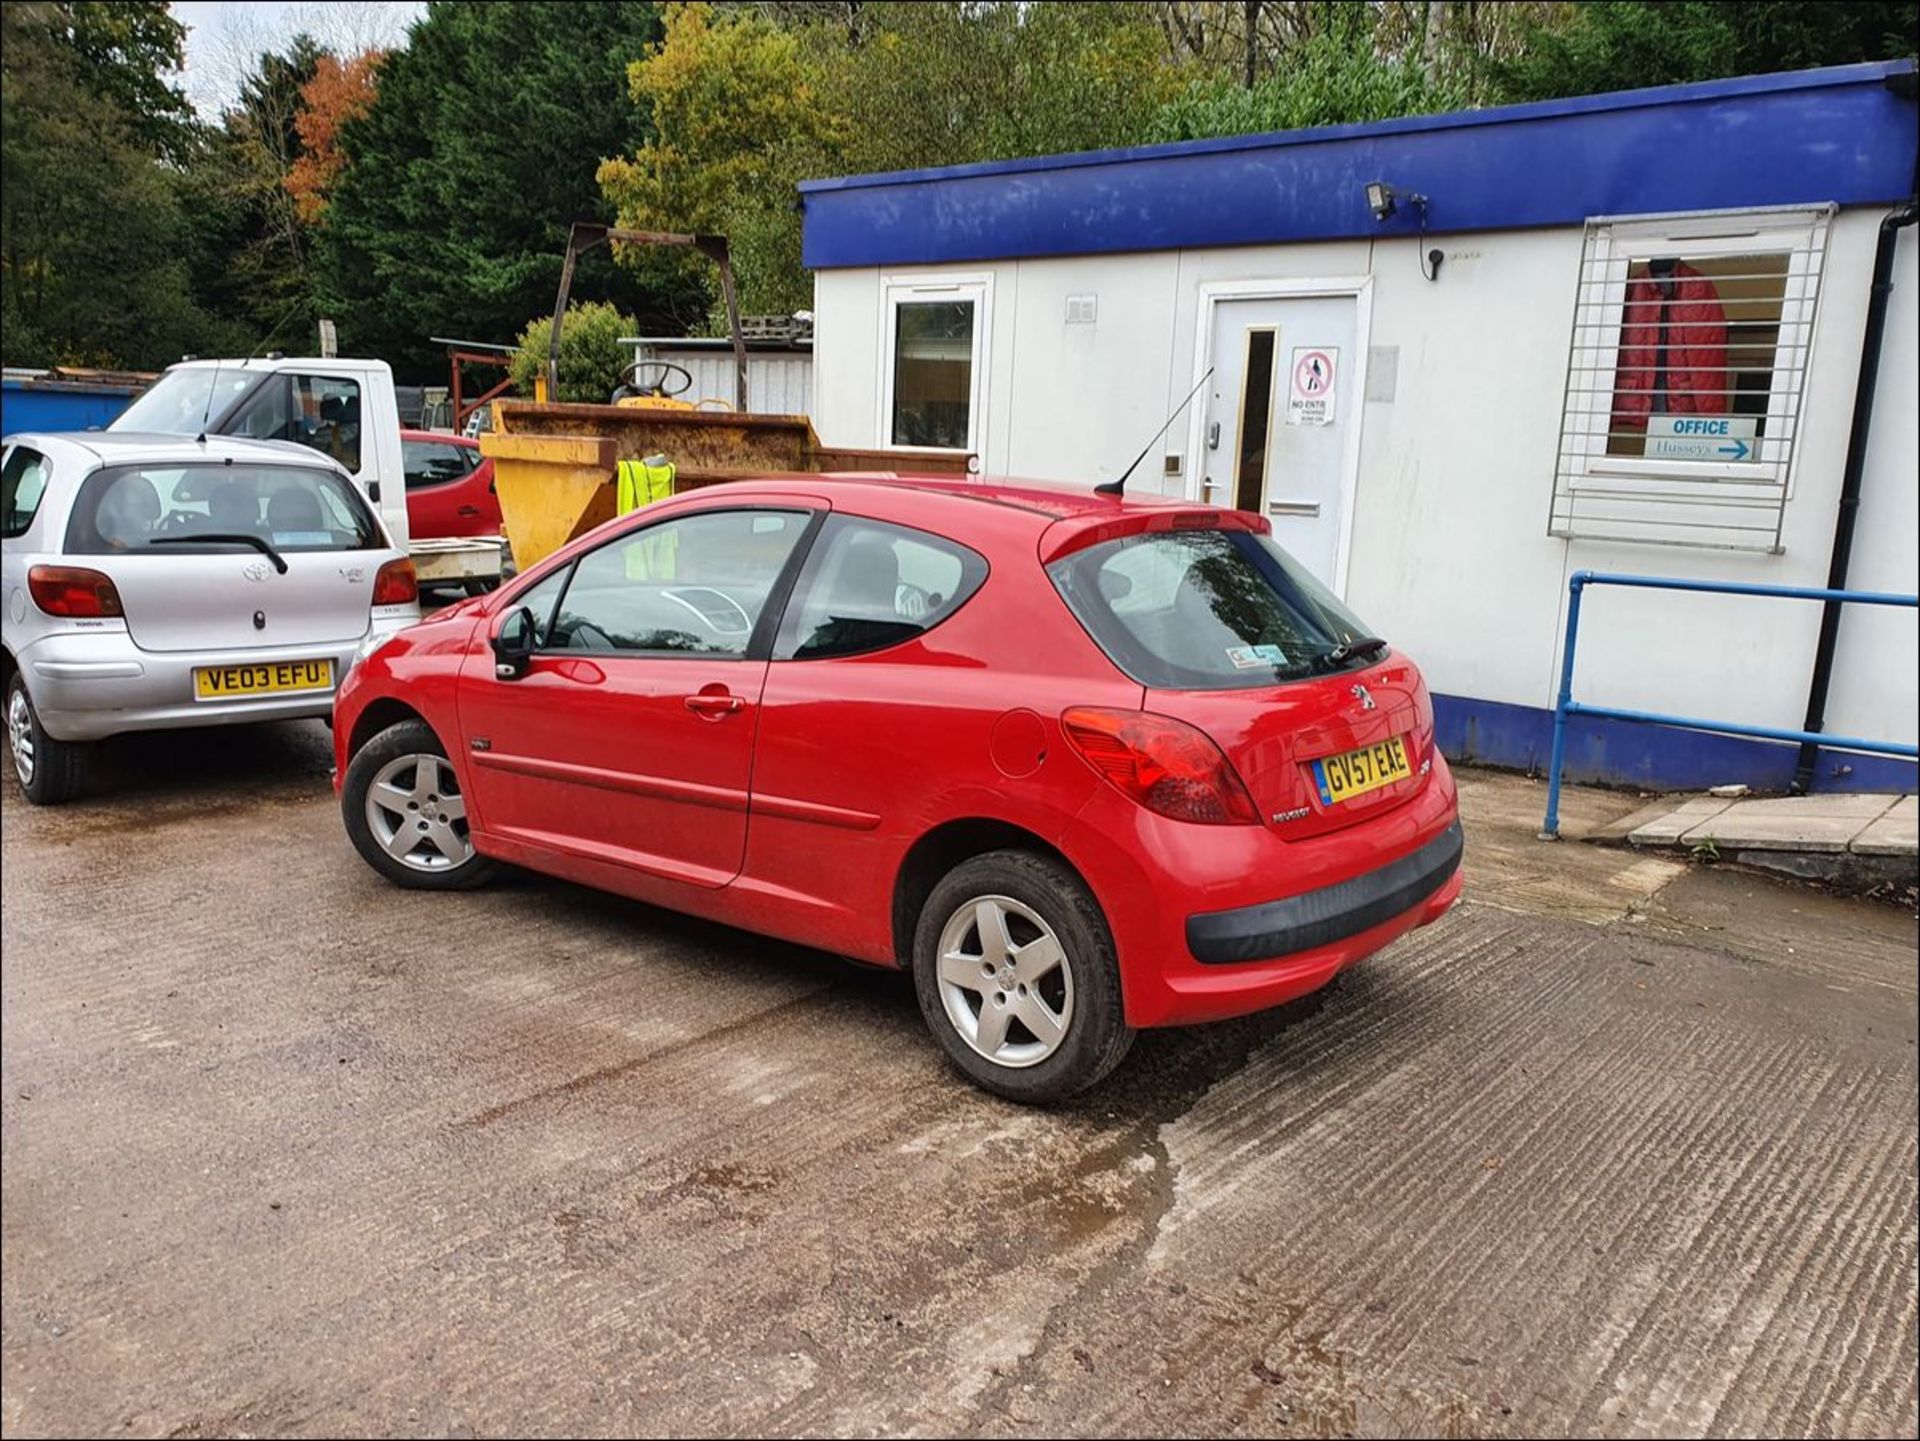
341 407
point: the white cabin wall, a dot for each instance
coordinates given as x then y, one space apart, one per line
1875 656
1450 554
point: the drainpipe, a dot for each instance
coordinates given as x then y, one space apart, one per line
1850 484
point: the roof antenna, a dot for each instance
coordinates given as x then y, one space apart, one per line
206 416
1119 487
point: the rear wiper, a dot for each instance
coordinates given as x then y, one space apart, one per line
234 537
1348 649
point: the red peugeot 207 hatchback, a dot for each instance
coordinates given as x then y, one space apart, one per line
1083 763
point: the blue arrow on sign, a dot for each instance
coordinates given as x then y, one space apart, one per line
1738 450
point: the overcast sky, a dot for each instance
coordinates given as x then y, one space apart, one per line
225 39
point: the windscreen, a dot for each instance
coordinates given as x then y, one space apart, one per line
186 400
1204 610
290 507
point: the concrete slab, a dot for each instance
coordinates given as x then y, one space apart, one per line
322 1157
1619 830
1862 808
1897 833
1818 824
1822 834
1675 821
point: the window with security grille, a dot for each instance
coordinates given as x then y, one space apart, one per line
1691 335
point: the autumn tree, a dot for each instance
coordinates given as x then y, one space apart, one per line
338 91
745 101
461 179
739 113
248 252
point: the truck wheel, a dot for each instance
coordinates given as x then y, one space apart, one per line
49 770
1017 979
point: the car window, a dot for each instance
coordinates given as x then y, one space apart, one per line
321 412
539 598
432 462
23 480
291 507
691 586
1203 610
868 585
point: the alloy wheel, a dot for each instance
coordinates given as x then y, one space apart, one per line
1005 981
20 734
417 814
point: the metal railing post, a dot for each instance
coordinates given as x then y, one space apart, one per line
1565 705
1550 831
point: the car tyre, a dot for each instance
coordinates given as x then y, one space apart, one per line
984 966
48 770
400 788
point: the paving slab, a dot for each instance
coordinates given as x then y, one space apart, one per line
1897 833
1820 824
1674 822
1859 807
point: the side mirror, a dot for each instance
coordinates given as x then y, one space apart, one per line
513 644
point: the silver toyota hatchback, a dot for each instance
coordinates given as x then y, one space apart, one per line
152 581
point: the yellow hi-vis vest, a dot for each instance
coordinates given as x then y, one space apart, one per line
641 482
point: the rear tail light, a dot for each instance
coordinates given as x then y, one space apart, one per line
1167 765
396 584
69 591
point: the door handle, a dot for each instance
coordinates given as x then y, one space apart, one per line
714 706
469 510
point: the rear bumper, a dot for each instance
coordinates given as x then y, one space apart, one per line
1201 992
88 686
1212 922
1330 914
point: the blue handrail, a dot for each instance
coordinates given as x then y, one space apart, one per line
1566 705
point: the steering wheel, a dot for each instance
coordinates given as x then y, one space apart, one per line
652 377
912 602
722 622
177 522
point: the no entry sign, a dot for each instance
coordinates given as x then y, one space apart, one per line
1310 394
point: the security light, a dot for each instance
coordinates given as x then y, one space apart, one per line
1383 200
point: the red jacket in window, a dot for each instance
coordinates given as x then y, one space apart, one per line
1696 373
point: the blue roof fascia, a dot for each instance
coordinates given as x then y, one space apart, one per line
1843 134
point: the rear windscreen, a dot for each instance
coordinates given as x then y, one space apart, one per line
1204 610
290 507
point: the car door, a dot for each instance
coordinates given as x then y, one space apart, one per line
629 737
439 478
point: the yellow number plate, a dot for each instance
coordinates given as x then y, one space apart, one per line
266 677
1343 777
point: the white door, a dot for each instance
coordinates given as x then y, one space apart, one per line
1279 408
